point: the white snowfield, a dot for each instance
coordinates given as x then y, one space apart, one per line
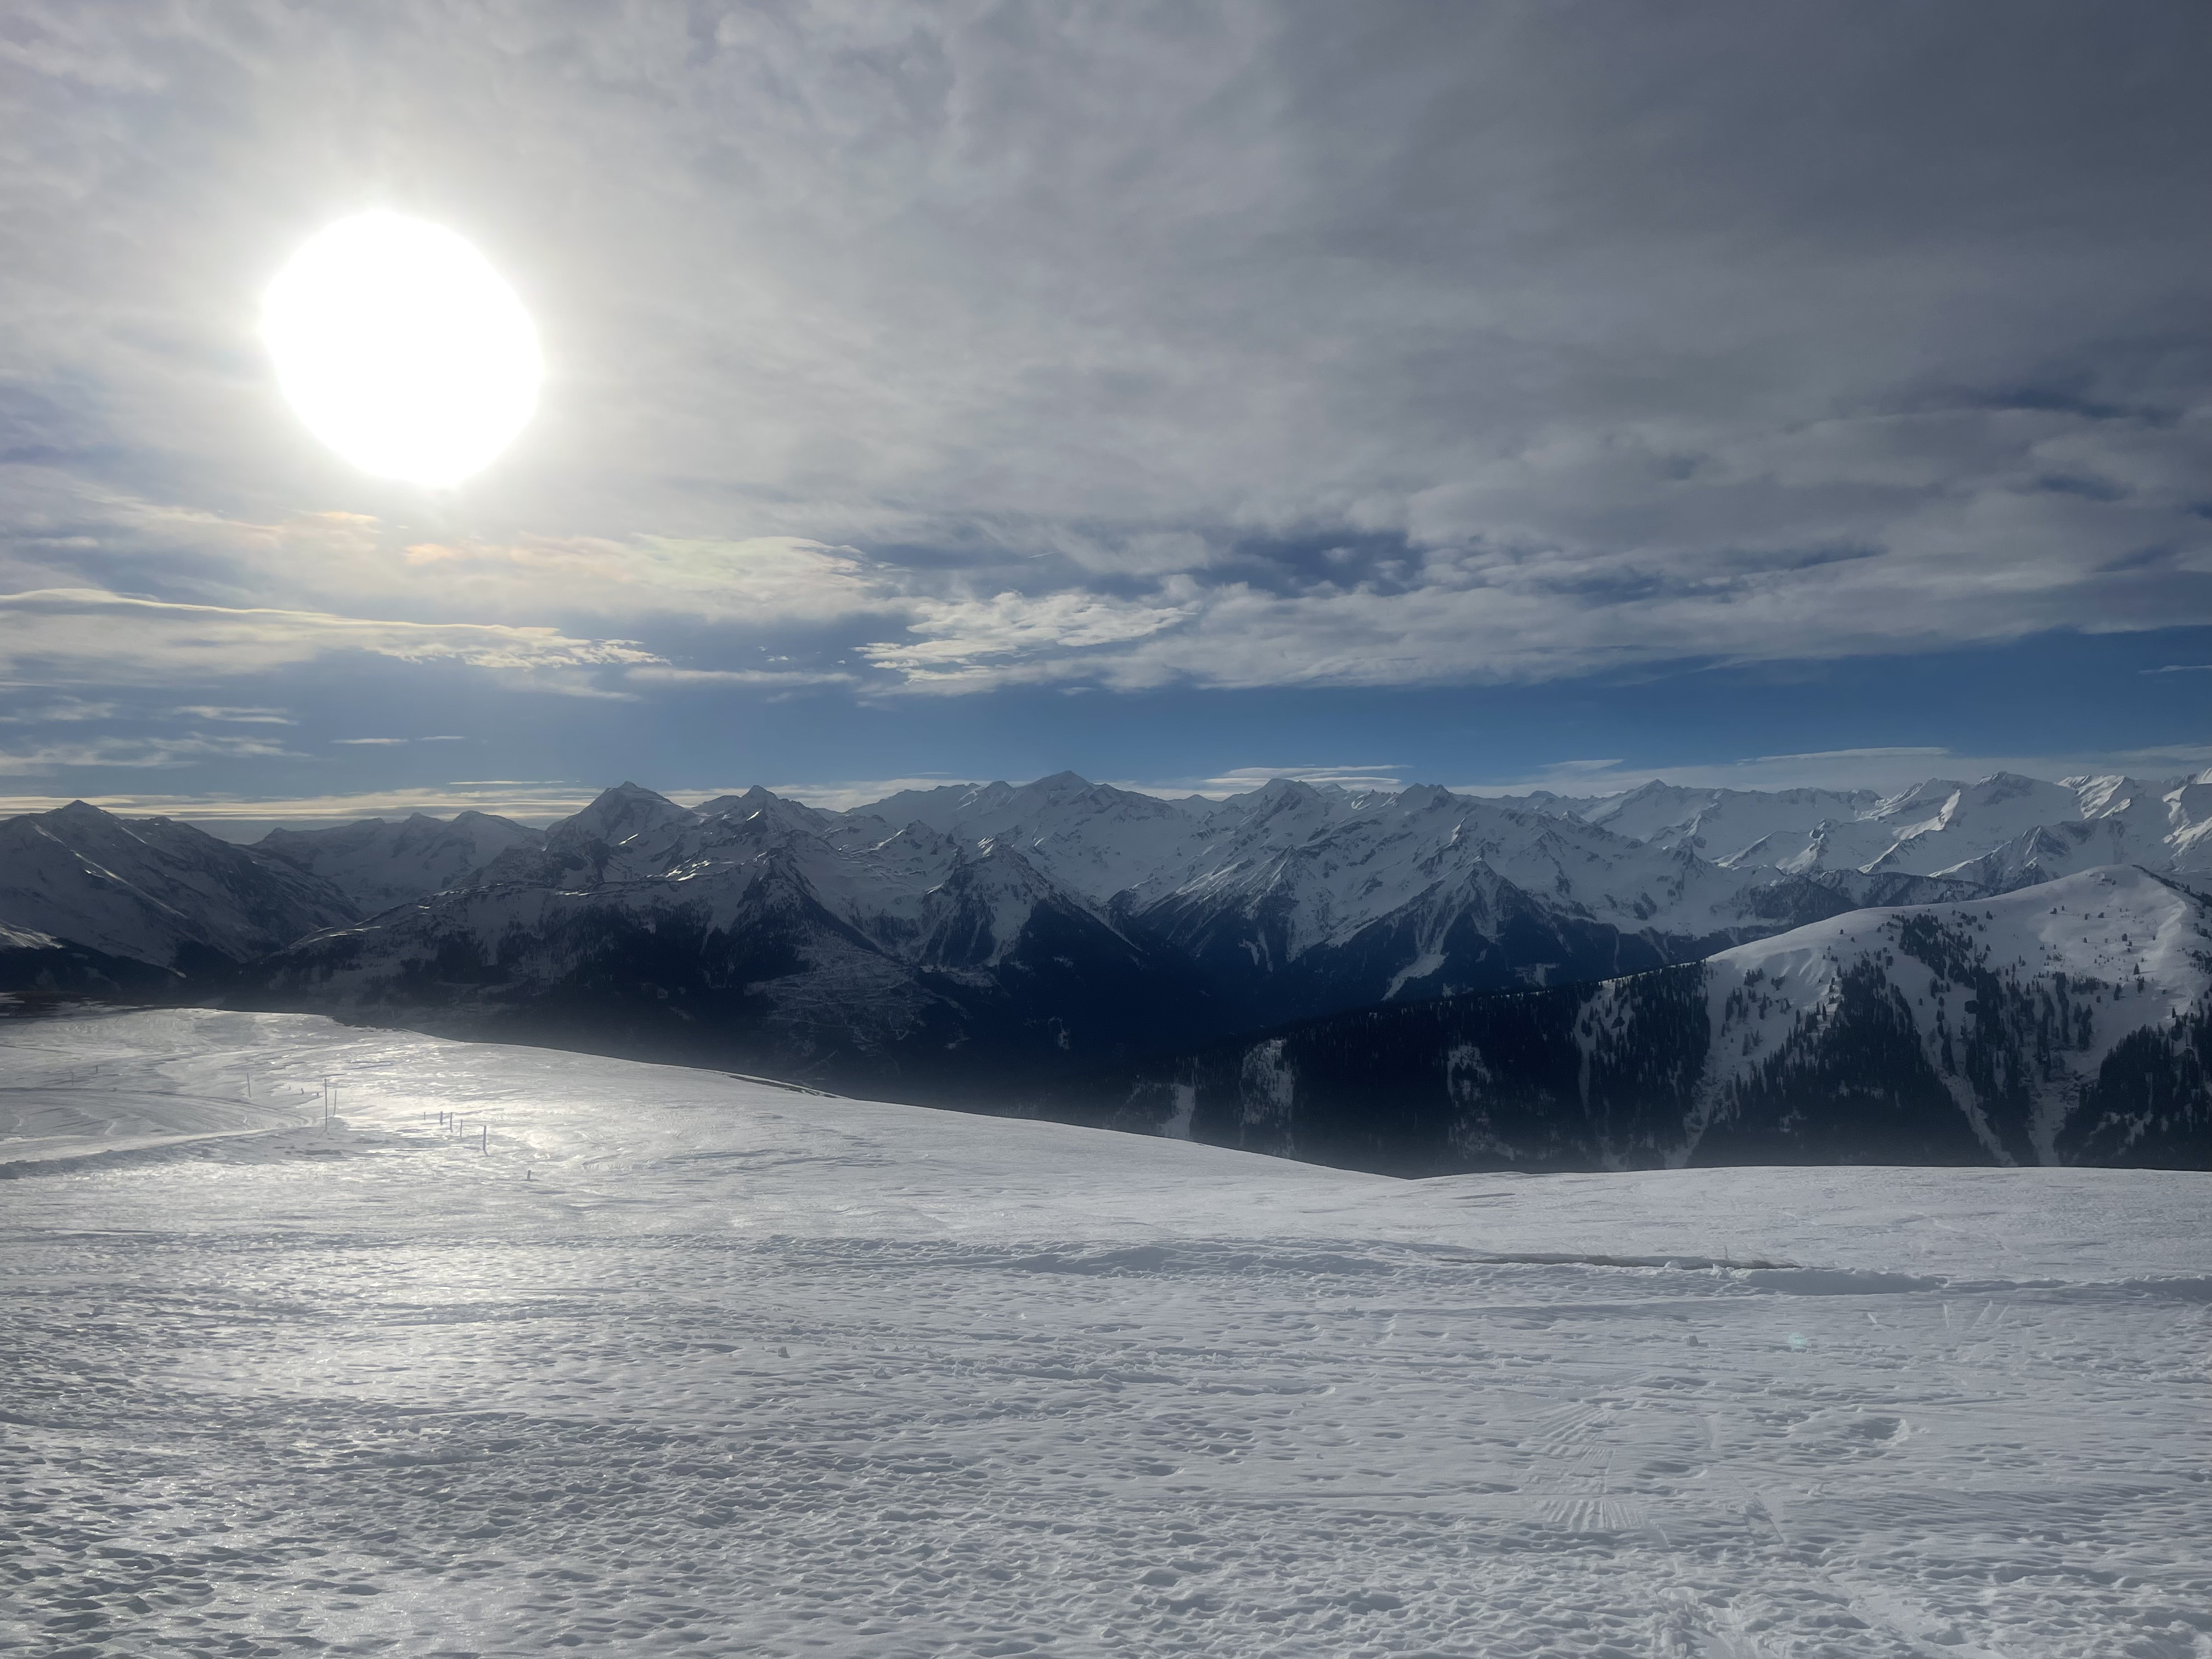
636 1360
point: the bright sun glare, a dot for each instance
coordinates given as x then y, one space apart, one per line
402 348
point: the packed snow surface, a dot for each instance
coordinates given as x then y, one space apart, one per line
632 1360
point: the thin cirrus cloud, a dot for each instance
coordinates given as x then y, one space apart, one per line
383 743
959 644
62 711
71 712
333 560
226 813
221 714
85 635
770 678
141 753
773 579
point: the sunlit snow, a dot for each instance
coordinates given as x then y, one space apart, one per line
535 1352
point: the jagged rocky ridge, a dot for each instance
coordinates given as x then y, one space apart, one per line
2066 1022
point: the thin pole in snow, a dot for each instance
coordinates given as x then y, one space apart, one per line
487 1140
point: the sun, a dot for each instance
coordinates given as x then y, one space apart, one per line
402 348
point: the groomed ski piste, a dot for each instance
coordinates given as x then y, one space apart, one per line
529 1352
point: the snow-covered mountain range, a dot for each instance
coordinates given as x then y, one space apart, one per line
2066 1022
996 935
942 931
2001 832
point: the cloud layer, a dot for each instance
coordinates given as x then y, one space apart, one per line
952 347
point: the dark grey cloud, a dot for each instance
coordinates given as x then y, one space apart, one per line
951 345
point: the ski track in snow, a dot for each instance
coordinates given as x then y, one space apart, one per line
737 1371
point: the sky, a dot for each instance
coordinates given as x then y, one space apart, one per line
1495 395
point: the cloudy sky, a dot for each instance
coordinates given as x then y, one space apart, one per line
1469 392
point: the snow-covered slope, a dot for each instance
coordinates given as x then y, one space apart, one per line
152 892
377 865
2053 1019
2066 1022
647 1361
41 964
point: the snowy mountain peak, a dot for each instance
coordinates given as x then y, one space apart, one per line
1930 793
1288 809
618 814
1427 797
945 808
766 805
2101 796
1729 826
153 890
740 806
377 864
